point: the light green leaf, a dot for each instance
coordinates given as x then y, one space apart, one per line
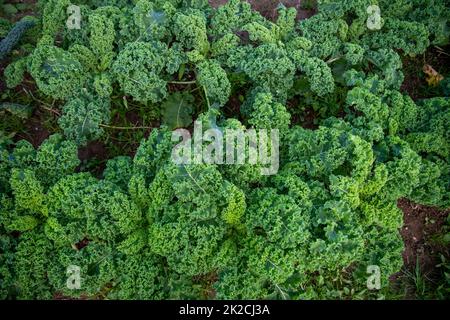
177 110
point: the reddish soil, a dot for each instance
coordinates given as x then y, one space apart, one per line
60 296
34 131
305 119
95 150
233 108
207 281
27 12
308 118
415 84
83 243
413 80
421 223
2 83
421 231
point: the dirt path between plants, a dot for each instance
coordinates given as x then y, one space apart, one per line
422 226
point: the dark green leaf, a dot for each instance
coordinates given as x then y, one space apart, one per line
19 110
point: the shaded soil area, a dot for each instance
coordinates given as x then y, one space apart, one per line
40 125
415 84
207 281
421 223
60 296
27 9
421 232
34 131
307 119
93 157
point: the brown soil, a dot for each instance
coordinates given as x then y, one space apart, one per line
19 15
421 226
305 119
28 12
415 84
413 79
83 243
233 108
34 131
308 117
94 149
207 281
60 296
2 83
